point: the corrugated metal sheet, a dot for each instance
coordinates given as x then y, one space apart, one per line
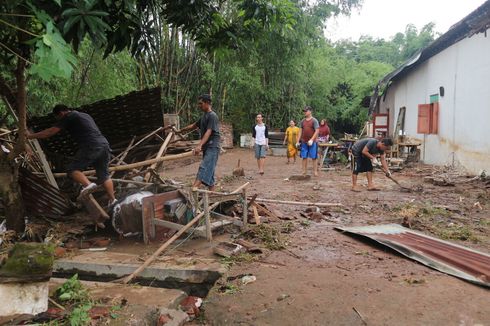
449 258
41 198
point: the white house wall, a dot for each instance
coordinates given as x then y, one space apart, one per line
464 113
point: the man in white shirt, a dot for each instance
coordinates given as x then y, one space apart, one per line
260 134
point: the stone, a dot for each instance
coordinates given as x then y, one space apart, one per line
28 262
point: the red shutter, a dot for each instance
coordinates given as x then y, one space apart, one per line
434 120
423 122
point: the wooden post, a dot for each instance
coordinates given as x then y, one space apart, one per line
152 220
245 210
209 232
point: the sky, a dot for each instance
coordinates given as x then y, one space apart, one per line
385 18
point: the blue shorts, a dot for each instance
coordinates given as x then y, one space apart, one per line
260 151
205 174
309 151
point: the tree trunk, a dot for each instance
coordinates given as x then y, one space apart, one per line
9 169
10 193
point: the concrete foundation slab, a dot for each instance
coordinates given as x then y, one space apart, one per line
142 305
132 294
193 275
23 298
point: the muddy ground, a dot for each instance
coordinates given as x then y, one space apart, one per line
328 278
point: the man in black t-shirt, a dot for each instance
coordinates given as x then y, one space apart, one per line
208 126
364 151
93 148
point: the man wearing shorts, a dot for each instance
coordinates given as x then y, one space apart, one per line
93 148
364 151
209 144
308 134
260 134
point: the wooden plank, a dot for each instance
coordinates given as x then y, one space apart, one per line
232 219
161 151
136 165
256 214
209 233
265 211
299 203
44 162
245 209
95 210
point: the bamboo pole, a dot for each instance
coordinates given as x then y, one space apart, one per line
161 151
300 203
136 165
147 262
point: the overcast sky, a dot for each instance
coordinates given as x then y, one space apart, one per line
385 18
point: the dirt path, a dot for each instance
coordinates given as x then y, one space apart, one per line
326 276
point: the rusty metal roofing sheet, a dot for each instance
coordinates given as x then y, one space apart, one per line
449 258
41 198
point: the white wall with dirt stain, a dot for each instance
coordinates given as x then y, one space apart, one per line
463 70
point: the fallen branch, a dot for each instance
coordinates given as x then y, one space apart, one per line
360 316
56 304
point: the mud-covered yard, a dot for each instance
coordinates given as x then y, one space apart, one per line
324 277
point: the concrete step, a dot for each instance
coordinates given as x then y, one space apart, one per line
193 275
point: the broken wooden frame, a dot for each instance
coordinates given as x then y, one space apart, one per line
153 207
181 231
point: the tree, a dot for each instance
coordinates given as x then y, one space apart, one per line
39 36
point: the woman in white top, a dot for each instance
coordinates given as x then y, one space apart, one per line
260 134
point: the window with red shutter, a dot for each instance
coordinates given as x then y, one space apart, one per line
428 118
423 122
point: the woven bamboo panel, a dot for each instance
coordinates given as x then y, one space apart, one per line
118 119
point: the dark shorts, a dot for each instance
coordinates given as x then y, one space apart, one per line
362 164
309 151
98 157
205 174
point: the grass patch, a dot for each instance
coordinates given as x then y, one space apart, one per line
229 288
237 259
436 221
270 236
456 232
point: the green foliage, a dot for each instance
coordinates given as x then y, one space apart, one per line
72 290
252 55
28 260
80 315
54 56
394 52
